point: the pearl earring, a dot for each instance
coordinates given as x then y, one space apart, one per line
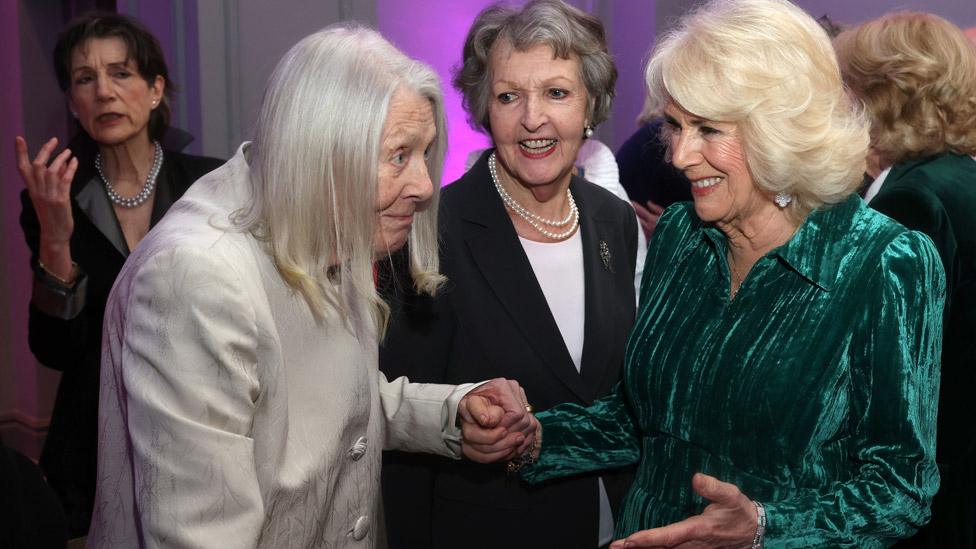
588 131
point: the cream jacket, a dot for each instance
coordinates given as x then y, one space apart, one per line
228 417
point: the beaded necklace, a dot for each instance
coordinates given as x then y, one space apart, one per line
537 222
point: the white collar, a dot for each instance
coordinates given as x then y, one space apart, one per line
875 185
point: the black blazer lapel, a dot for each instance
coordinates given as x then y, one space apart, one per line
90 197
493 244
603 258
92 201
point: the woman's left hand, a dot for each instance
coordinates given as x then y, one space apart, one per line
729 521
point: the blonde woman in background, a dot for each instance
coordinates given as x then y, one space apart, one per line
916 74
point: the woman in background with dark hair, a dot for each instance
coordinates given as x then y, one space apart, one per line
84 210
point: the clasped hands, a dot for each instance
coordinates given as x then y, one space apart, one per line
496 422
496 425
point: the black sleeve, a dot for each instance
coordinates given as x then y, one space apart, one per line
56 342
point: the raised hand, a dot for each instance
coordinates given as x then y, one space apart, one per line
730 521
648 216
496 425
49 186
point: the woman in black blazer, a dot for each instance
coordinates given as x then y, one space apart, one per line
83 212
540 268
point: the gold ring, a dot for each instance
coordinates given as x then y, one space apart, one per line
529 408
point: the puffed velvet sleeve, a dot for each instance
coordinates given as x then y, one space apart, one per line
577 439
185 376
894 369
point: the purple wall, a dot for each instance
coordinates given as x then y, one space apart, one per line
434 32
175 25
631 36
26 389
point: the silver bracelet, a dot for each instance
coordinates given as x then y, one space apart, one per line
757 542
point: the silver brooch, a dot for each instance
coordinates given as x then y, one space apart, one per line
605 256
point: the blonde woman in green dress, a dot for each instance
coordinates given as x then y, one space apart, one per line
781 379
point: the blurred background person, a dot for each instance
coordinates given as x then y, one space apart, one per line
916 74
85 209
241 402
782 376
540 267
30 513
651 182
971 35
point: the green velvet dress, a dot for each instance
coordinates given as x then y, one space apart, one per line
814 390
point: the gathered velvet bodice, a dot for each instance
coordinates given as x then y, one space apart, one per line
814 390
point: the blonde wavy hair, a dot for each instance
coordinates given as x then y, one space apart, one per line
768 67
916 74
314 171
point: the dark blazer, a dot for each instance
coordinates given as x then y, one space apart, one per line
492 320
74 346
937 195
30 515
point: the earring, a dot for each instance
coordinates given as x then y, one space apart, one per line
588 131
154 102
783 199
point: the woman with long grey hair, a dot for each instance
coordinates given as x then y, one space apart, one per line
241 403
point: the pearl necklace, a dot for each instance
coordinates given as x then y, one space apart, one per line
537 222
147 189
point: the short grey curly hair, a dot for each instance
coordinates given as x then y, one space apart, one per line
567 30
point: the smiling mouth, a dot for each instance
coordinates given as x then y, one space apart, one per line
705 183
537 146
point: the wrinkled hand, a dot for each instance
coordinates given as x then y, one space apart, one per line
730 521
495 425
49 186
648 216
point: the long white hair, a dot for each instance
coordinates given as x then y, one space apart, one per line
314 165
